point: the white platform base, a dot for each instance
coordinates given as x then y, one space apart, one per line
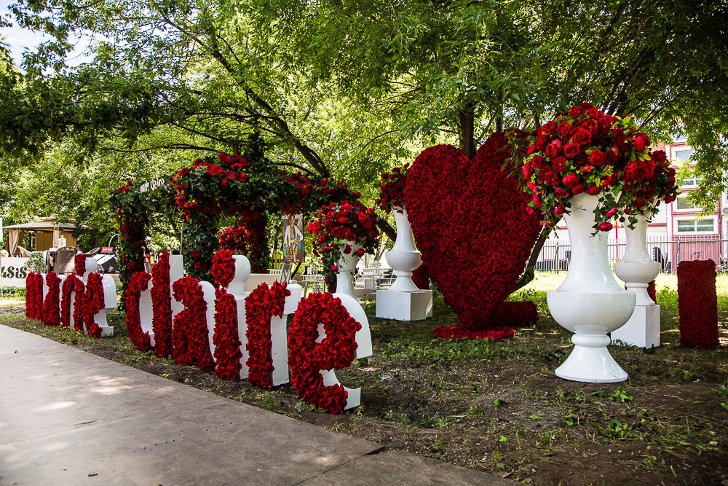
591 365
404 306
642 329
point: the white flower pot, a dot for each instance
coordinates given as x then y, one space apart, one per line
404 258
590 303
637 269
347 269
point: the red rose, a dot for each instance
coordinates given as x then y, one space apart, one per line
540 142
593 190
641 141
553 149
570 180
659 157
527 171
577 189
582 137
605 226
559 210
564 129
360 252
571 150
611 213
597 158
559 164
562 193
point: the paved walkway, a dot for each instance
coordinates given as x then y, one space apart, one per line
70 417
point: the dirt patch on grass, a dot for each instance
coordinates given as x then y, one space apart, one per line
499 408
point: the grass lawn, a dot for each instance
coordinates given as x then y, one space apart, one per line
498 407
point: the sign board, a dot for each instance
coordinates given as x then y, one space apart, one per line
151 185
13 271
293 245
107 250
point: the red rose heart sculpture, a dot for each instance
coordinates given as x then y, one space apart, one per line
470 222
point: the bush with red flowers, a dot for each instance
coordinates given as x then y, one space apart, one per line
260 306
190 344
133 205
162 307
93 302
391 189
34 295
588 151
139 338
697 304
69 286
337 350
470 222
51 303
346 227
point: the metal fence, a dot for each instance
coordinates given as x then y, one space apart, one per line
555 254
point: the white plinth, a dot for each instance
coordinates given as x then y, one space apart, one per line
404 306
642 329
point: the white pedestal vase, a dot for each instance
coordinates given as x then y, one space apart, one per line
347 269
590 303
404 301
637 270
404 257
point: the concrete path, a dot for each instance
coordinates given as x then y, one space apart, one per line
68 417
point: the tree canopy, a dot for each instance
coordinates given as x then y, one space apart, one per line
345 88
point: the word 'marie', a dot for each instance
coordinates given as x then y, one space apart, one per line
238 330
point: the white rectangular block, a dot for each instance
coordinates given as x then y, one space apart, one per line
642 329
404 306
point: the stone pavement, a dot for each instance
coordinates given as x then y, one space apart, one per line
68 417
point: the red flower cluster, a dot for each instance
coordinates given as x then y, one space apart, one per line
586 150
34 295
235 238
226 339
79 311
697 304
51 308
93 302
223 267
337 350
391 189
470 222
139 338
194 197
260 306
190 345
80 264
124 188
337 227
462 332
162 307
69 286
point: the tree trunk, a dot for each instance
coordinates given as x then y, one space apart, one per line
467 129
528 273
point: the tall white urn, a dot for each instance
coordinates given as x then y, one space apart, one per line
404 257
637 268
347 268
590 303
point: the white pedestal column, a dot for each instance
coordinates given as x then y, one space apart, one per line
637 270
404 301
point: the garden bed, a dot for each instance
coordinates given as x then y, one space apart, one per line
498 407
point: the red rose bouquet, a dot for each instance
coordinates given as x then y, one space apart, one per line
586 150
391 189
343 227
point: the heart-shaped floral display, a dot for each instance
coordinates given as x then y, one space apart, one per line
470 222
